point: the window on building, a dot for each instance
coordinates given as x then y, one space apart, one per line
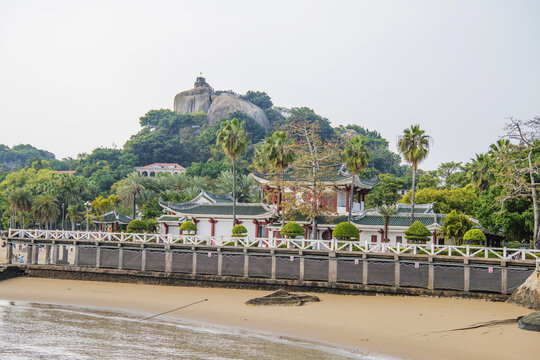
373 238
399 239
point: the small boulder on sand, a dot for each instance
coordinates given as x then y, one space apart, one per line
530 322
281 297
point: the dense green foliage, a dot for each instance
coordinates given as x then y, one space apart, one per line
346 231
292 230
417 232
136 226
454 227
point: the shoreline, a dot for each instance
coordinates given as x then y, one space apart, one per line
395 326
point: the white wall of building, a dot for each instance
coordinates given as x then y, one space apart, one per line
204 227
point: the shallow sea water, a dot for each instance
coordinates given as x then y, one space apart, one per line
38 331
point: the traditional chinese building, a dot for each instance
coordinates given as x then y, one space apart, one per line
213 216
338 184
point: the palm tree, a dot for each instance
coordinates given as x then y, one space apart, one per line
129 188
46 209
386 212
499 147
20 201
356 158
233 139
275 155
414 146
244 185
74 214
479 171
179 181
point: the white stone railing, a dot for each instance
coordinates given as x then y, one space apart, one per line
296 244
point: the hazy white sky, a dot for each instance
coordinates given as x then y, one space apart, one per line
75 75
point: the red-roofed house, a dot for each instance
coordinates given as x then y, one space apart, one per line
155 168
69 172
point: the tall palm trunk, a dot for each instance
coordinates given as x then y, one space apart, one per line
386 221
134 205
413 192
351 197
234 190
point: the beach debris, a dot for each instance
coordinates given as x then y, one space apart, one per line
528 294
169 311
282 297
530 322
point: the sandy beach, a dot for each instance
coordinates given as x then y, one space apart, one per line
406 327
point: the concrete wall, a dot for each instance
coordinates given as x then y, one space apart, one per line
326 269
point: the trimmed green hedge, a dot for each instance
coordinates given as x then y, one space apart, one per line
136 226
239 231
417 232
346 231
474 235
188 226
292 229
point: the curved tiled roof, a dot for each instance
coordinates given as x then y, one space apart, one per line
217 209
115 216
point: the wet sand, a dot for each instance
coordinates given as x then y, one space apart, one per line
406 327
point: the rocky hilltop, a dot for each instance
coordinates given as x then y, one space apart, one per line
216 104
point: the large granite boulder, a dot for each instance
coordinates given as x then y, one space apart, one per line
197 99
225 104
528 294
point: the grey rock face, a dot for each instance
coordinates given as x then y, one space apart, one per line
528 294
194 100
225 104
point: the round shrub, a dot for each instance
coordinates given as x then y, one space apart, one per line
188 226
136 226
292 229
417 232
346 231
239 231
474 236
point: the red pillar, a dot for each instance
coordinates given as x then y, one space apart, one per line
335 201
212 226
381 231
166 229
434 235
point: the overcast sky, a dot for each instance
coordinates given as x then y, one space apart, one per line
75 75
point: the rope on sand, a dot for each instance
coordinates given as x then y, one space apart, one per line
178 308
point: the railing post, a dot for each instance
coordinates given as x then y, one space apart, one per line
302 270
504 278
143 257
9 251
246 263
98 255
28 259
120 256
466 275
397 269
332 267
364 269
194 264
75 254
219 262
273 273
431 273
168 258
